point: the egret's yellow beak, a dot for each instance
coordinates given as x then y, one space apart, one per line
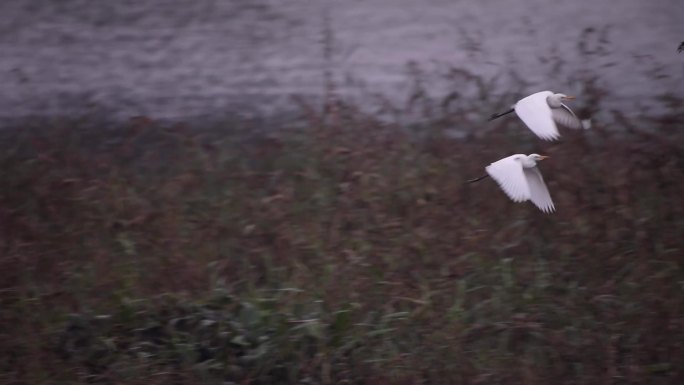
569 97
542 157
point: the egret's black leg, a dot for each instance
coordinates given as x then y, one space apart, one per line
494 116
478 179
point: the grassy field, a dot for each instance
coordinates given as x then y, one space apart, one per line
348 251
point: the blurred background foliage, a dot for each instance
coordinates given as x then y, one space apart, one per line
346 248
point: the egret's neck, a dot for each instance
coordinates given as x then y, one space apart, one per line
528 162
554 101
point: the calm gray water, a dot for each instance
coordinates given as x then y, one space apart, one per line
206 58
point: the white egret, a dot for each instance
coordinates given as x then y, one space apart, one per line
519 177
542 110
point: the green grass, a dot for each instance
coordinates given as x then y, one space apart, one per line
347 251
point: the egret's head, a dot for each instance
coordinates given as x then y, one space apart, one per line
537 157
556 100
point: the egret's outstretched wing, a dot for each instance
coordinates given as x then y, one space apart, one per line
508 173
565 117
539 194
535 112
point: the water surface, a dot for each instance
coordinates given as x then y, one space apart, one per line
205 58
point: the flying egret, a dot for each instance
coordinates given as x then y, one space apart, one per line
542 110
519 177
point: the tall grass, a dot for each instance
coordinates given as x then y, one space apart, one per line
348 251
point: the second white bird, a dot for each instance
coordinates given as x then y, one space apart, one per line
519 177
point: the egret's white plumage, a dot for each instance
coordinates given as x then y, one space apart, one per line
542 110
519 177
